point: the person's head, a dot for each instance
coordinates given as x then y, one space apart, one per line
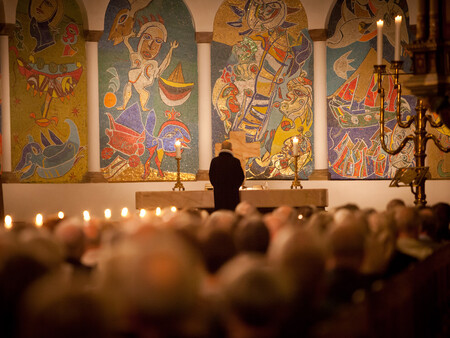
394 203
254 298
71 235
346 242
407 220
222 219
252 235
152 35
227 145
54 308
217 247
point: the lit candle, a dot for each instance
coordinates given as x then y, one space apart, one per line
124 212
8 222
142 213
60 215
177 149
379 42
108 213
295 146
398 25
39 220
173 209
86 216
158 211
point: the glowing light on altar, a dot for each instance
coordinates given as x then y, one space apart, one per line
8 222
86 216
39 220
158 211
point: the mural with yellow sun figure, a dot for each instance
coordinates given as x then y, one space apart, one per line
48 86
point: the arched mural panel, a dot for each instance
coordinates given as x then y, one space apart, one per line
354 149
262 95
48 86
148 92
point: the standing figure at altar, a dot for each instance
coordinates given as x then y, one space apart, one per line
226 176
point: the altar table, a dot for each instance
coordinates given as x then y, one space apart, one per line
204 199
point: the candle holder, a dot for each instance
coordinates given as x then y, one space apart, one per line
178 185
419 137
296 183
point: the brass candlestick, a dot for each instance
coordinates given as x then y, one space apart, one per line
296 183
178 185
419 138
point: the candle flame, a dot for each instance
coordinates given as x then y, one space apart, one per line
8 222
124 212
86 216
142 213
107 213
39 220
158 211
60 215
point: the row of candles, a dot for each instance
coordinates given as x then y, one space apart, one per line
398 24
39 219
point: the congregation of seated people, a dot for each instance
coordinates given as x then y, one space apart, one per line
188 273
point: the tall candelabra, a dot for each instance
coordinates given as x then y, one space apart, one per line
178 185
420 137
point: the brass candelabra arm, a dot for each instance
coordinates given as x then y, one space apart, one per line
433 123
399 148
437 143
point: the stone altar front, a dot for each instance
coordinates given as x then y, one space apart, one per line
204 199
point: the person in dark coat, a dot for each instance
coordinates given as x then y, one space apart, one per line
226 176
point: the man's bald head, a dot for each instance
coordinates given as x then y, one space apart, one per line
227 145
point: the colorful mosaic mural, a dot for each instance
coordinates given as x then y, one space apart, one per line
262 75
354 149
48 86
148 92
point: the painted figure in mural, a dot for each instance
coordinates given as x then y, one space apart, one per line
268 29
54 158
298 102
45 15
144 68
359 22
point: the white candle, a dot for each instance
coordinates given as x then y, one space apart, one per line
39 220
177 149
107 213
8 222
379 42
295 146
398 25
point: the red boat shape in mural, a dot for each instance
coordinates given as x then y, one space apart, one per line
124 140
56 81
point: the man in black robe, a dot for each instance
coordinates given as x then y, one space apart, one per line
226 176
